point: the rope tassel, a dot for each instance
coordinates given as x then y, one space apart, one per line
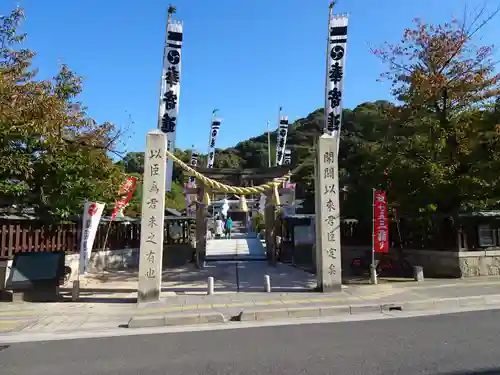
276 196
243 204
206 199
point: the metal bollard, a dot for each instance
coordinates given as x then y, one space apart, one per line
267 283
210 286
418 273
373 274
75 291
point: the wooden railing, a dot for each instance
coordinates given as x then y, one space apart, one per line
34 236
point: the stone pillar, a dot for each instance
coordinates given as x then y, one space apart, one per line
327 218
201 229
152 217
270 218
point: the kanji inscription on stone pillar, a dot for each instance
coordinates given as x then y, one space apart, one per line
152 217
329 272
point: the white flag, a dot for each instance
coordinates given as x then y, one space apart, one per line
92 212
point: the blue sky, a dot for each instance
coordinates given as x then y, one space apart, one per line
244 57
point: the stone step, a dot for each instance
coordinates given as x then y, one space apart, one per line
235 249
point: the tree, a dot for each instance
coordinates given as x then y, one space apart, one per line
175 198
443 81
133 162
52 155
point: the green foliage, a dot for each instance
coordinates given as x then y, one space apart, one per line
52 155
175 198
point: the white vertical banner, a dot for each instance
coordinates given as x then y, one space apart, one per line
287 160
194 163
214 131
281 140
170 91
191 211
92 212
334 90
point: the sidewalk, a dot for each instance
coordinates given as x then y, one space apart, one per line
219 308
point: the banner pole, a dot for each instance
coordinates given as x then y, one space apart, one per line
106 237
104 246
82 233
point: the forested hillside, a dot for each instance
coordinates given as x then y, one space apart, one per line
378 151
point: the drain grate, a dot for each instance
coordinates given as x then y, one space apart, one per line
395 308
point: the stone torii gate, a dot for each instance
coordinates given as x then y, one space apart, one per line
328 254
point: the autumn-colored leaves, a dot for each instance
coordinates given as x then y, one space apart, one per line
446 86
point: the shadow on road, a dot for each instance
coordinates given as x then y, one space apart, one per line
491 371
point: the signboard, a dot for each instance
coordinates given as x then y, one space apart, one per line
33 269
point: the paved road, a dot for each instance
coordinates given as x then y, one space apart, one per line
458 344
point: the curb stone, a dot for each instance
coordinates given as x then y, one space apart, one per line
472 301
256 314
142 321
146 321
365 308
492 299
418 305
335 310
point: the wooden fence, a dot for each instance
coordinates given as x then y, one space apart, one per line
33 236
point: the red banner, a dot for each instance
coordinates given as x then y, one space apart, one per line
126 193
380 222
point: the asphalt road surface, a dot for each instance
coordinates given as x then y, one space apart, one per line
458 344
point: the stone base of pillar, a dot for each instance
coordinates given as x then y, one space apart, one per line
373 274
329 288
